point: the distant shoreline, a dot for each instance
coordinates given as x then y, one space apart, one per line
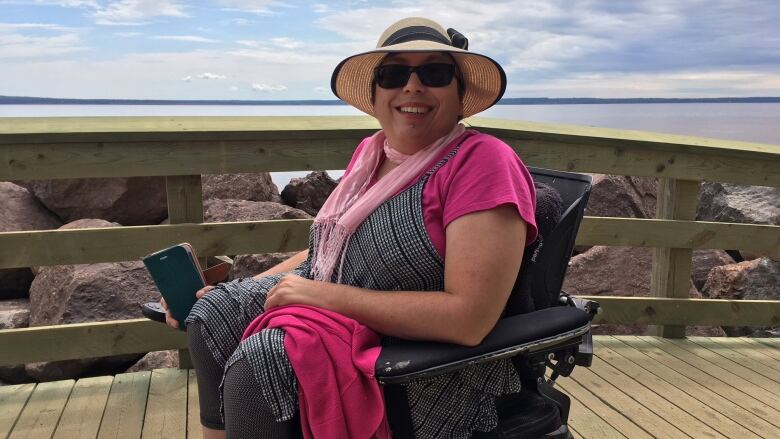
25 100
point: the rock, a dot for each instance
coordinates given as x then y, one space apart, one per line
14 314
87 293
242 210
706 260
739 204
309 193
156 360
615 271
128 201
252 187
622 196
758 279
20 211
251 265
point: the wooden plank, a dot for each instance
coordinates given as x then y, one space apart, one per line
166 410
40 415
84 410
735 367
90 245
719 372
696 384
587 424
766 347
12 401
659 310
610 414
124 414
705 417
671 276
641 232
87 340
658 402
131 243
756 362
193 406
185 205
186 146
638 413
719 384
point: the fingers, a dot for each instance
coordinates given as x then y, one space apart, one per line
169 320
202 292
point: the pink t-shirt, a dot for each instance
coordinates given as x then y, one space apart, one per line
485 173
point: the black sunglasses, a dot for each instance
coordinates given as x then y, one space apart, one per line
397 75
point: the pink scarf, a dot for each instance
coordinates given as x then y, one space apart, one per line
352 200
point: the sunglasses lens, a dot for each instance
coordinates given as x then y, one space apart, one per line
436 75
392 75
431 75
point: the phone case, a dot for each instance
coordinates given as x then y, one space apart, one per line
177 275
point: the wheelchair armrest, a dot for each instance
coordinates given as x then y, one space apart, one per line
545 329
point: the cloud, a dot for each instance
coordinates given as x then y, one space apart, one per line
24 40
287 43
268 88
233 88
208 75
257 7
187 78
321 90
186 38
128 34
320 8
136 12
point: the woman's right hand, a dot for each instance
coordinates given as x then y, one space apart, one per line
169 320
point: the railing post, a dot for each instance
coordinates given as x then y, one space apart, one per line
677 199
185 205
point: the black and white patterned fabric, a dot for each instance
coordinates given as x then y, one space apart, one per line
390 251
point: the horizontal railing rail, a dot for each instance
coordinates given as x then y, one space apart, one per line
183 148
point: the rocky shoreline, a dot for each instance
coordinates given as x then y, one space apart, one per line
54 295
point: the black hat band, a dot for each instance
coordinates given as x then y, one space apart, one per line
416 33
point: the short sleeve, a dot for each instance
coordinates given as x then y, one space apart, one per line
483 175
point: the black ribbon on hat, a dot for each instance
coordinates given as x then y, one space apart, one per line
458 39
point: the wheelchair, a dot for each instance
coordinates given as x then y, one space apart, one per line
542 328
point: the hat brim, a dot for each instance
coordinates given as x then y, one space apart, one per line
485 80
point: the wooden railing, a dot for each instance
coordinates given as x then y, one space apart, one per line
183 148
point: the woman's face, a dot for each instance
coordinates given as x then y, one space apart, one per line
414 116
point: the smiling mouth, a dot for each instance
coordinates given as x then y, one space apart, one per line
415 110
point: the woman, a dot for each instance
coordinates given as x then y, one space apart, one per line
418 241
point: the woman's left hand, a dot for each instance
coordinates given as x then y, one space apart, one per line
296 290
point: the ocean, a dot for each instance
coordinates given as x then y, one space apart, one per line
751 122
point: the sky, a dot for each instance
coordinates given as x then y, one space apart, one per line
287 49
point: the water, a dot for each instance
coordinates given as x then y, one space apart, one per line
737 121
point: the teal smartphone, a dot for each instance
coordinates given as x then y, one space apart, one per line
177 274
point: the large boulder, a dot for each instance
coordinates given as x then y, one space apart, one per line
739 204
622 196
156 360
14 314
758 279
215 211
251 265
618 271
87 293
310 192
20 211
252 187
128 201
706 260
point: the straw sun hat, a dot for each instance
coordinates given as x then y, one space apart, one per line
485 80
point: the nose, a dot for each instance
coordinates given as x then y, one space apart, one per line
413 85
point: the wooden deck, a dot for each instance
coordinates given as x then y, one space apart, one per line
638 387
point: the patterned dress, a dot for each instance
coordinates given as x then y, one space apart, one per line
389 251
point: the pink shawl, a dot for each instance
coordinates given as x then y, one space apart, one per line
352 200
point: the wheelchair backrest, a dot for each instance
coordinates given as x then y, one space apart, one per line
540 278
